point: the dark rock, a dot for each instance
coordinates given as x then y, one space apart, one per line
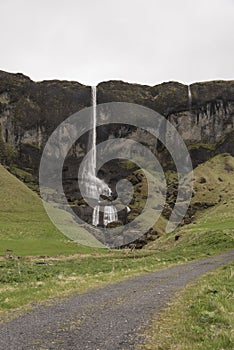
114 224
202 180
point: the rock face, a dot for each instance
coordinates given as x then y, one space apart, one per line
30 111
205 118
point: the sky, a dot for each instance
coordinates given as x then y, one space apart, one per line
138 41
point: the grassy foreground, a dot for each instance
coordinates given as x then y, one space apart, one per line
201 318
50 265
32 279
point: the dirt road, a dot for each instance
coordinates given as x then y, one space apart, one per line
109 318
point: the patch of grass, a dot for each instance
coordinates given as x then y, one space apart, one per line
202 318
209 146
195 243
22 174
43 247
127 164
214 180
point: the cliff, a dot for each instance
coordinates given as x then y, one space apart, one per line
203 114
30 111
205 117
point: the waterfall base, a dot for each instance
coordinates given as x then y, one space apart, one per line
102 216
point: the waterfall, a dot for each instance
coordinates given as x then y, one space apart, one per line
92 159
95 218
94 187
94 132
189 96
110 214
89 178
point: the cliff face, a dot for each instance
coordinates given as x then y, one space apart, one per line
30 111
205 116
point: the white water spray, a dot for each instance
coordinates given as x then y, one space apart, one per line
96 213
110 214
88 178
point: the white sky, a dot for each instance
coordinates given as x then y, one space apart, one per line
144 41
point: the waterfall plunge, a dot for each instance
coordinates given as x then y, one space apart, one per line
89 179
96 213
95 186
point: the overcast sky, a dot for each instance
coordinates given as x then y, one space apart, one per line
144 41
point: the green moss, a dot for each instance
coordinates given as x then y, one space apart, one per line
207 146
127 164
22 174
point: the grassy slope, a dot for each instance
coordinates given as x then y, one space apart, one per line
213 227
218 189
24 225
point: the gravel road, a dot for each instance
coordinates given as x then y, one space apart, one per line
110 318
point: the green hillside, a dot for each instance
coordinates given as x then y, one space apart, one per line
213 225
24 225
214 185
26 229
